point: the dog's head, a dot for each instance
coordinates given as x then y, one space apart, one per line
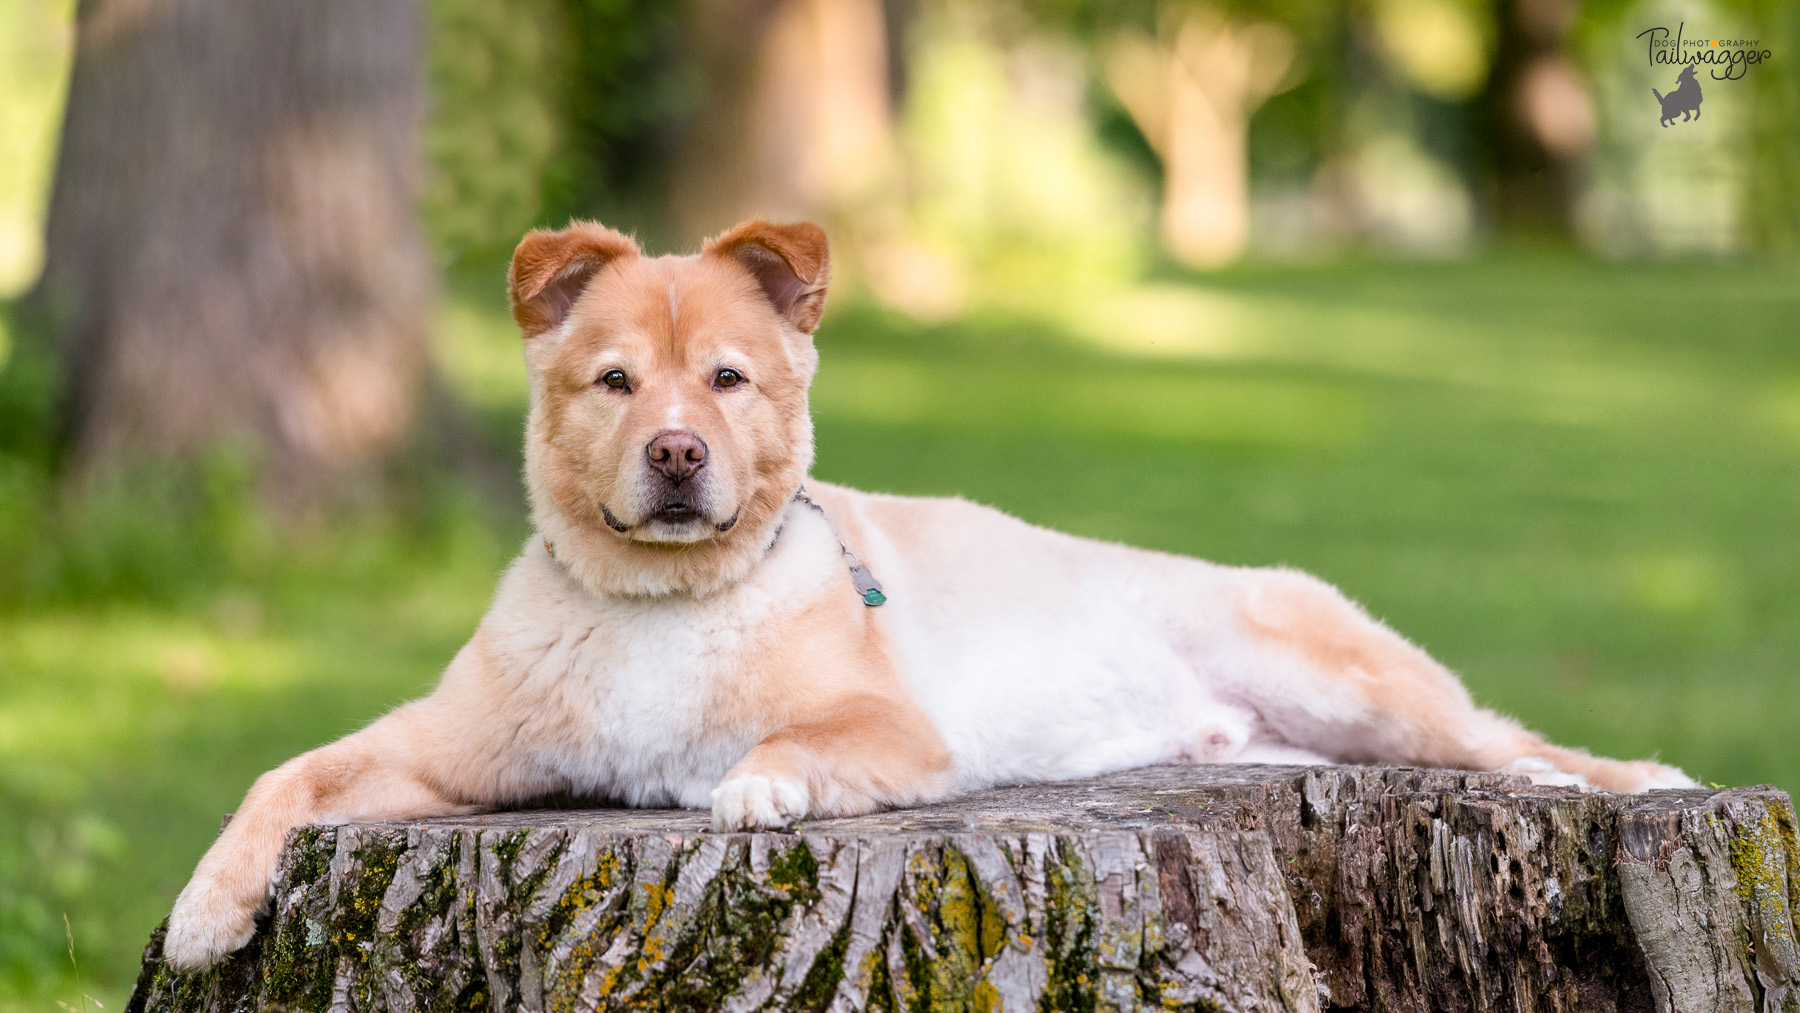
1687 74
669 425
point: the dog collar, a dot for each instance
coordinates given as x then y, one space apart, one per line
867 587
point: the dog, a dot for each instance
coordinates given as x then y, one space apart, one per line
1684 99
697 623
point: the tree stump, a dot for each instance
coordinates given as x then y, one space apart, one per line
1201 888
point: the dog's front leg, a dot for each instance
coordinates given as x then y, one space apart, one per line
862 754
376 773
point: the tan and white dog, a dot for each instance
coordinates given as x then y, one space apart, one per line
688 626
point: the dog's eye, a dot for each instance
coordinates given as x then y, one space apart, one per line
614 378
727 378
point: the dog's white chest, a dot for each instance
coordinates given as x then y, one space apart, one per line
639 695
630 701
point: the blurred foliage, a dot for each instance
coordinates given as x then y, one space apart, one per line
547 109
1387 140
1728 187
543 110
493 69
35 42
1010 192
1773 210
629 91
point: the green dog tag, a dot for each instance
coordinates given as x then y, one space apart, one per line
866 585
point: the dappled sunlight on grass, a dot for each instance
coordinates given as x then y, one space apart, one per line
1780 405
89 682
1070 398
1560 358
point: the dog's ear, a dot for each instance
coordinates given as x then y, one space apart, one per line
550 269
792 263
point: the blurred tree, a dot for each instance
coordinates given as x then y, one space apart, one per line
1005 194
1773 212
629 88
1192 90
798 121
232 253
1192 74
1540 119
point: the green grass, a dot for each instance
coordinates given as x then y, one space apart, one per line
1575 483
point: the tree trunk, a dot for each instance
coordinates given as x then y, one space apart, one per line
1541 119
798 121
1196 888
232 252
1192 93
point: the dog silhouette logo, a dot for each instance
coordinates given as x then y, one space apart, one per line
1684 100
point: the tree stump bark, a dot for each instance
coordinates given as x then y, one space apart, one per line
1200 888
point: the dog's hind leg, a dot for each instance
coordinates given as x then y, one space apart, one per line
1324 676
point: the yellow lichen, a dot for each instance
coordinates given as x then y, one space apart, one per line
985 998
865 972
656 900
1764 854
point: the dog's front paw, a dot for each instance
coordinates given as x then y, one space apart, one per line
757 802
208 922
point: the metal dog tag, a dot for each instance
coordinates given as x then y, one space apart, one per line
867 585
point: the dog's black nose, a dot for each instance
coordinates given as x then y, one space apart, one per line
676 453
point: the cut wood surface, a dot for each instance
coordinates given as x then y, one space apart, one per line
1206 888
